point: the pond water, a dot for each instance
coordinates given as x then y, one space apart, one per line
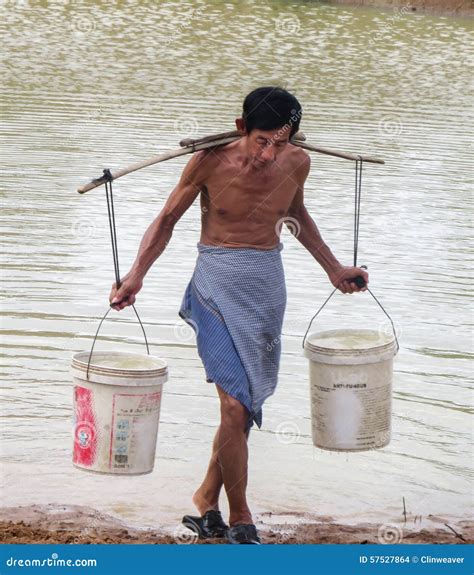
93 86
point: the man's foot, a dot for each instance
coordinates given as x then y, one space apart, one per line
243 534
209 526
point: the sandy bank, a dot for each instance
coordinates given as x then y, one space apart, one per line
78 524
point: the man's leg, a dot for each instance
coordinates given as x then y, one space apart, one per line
207 496
232 451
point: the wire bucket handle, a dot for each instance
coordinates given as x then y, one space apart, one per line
97 333
330 296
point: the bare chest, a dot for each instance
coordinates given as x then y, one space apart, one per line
233 194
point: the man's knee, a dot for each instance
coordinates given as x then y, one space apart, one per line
233 413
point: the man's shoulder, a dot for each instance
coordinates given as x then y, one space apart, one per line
207 159
297 154
200 165
202 158
298 158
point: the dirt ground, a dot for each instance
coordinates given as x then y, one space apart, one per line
83 525
443 7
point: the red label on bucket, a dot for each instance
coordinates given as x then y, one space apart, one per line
85 434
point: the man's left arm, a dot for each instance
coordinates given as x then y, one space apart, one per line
306 231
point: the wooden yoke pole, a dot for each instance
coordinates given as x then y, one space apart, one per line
189 146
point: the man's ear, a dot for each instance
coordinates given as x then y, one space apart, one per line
240 125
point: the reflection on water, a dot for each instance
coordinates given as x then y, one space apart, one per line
87 87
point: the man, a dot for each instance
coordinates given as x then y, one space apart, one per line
236 298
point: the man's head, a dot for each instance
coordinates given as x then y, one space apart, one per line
270 117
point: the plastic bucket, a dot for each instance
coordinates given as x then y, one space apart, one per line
116 411
351 373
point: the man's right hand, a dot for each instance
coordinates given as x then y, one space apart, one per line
126 295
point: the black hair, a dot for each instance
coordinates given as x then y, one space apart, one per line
270 108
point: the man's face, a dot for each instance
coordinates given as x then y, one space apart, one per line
264 146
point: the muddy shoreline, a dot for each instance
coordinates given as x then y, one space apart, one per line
435 7
46 524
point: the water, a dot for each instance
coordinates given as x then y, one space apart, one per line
86 87
353 339
125 361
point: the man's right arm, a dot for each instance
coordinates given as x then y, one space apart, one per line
159 233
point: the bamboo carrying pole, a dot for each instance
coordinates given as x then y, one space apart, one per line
189 146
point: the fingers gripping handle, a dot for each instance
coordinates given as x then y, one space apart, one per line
376 300
359 280
116 303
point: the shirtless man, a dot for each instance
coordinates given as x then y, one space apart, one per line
247 190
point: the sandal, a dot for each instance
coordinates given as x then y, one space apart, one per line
209 526
243 534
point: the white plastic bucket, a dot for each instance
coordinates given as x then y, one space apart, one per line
351 373
116 411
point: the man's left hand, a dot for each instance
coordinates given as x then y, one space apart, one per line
343 279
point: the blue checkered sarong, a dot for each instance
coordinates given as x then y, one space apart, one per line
235 302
